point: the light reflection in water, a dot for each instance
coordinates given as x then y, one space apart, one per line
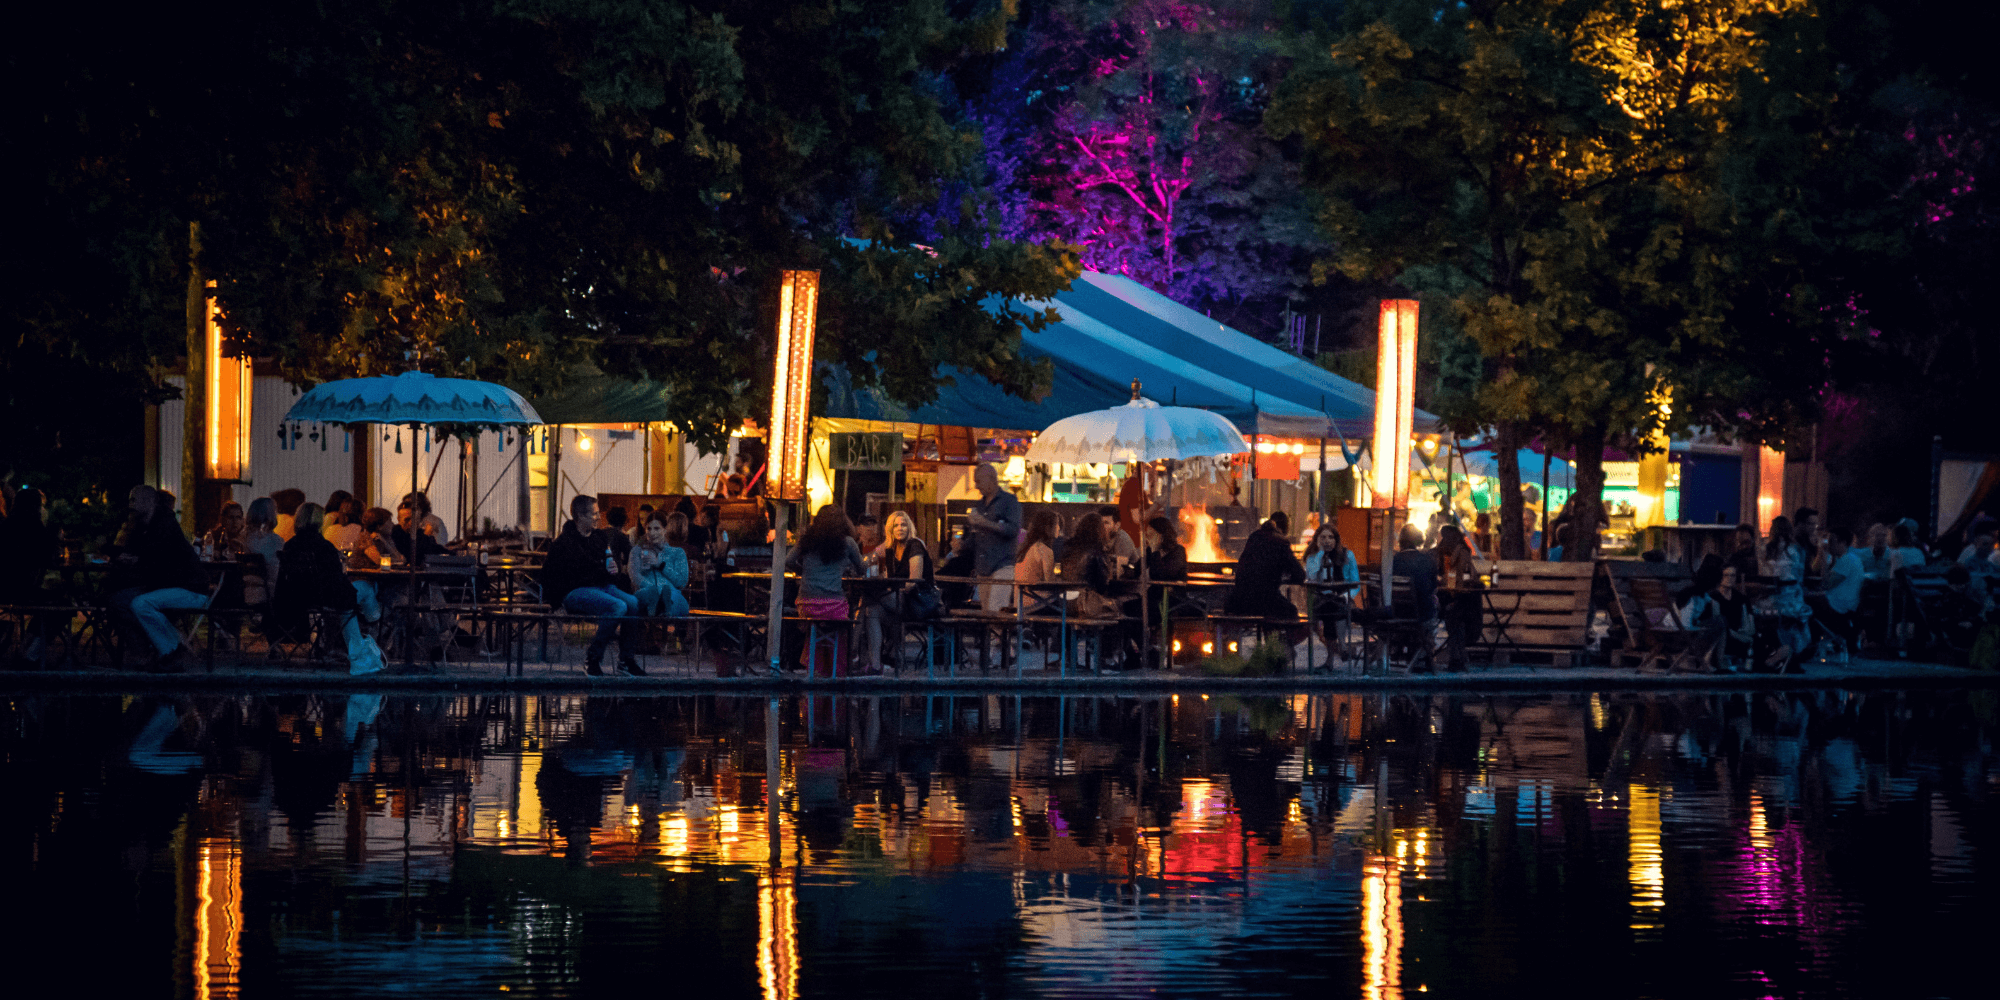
1645 858
1382 927
218 918
1087 847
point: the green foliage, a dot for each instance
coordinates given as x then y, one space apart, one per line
1614 200
505 188
1266 660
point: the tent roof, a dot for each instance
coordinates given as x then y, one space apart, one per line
1146 315
1094 367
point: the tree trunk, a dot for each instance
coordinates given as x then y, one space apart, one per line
1507 456
1586 505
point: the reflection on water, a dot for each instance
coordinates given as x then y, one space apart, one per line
1822 843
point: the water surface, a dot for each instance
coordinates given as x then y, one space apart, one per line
1605 845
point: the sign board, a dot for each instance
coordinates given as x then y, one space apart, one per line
1621 474
865 452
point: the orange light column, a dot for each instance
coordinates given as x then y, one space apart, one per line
791 393
229 383
1395 401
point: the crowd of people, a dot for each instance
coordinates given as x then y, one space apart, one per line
1767 604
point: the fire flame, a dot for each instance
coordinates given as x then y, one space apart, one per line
1204 545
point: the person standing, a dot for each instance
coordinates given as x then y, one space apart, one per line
1786 603
996 530
577 577
167 576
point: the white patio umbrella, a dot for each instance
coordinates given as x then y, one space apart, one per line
1139 431
415 399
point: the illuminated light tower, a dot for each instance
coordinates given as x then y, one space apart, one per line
1395 402
791 398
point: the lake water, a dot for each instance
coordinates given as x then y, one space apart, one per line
1604 845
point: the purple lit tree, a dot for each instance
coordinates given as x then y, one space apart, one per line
1132 128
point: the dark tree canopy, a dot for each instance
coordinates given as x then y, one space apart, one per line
505 188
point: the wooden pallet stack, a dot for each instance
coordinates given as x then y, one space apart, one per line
1543 607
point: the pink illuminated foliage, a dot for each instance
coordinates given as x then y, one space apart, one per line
1133 129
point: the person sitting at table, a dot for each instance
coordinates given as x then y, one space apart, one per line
960 562
637 532
660 567
167 576
288 501
1785 605
1035 557
29 548
1722 612
263 548
869 535
903 556
1840 588
408 515
1904 552
336 508
433 524
827 552
577 577
1117 544
1166 557
1266 565
1743 552
1087 566
346 533
1875 558
1462 608
312 575
1330 561
226 538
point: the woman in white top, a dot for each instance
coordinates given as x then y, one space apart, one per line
1903 551
1330 561
1785 561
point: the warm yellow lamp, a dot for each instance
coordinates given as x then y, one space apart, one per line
229 383
791 393
1395 401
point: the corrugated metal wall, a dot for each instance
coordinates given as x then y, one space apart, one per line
320 460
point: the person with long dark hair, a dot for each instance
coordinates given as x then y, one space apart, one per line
1464 607
1086 564
827 552
1786 604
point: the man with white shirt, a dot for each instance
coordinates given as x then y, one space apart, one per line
1840 591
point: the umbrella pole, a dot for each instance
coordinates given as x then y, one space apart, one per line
410 592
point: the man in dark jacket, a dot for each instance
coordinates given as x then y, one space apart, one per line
578 578
1267 563
168 577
